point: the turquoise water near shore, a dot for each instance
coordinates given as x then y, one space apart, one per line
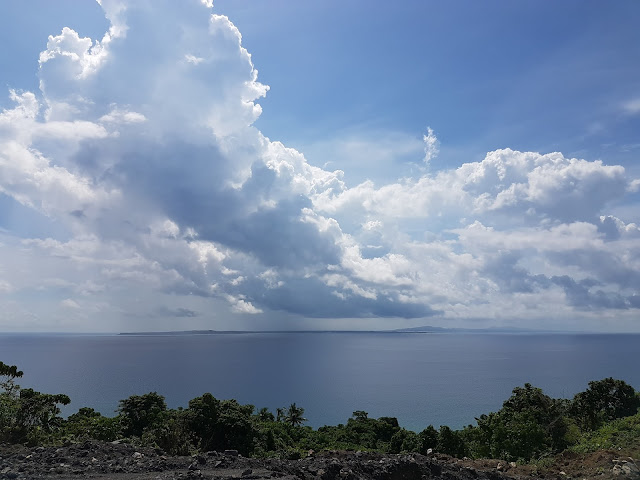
422 379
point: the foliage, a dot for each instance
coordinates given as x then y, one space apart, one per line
603 401
294 415
141 411
8 400
360 432
450 442
172 433
264 415
530 426
221 424
622 434
404 441
89 424
36 417
10 372
428 439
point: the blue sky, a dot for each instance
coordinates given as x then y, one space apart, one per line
271 165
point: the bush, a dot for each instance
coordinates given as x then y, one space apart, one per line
620 434
604 401
404 441
139 412
221 424
89 424
171 434
428 439
450 442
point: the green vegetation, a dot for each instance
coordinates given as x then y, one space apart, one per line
529 426
622 434
27 416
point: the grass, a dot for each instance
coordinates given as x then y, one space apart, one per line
622 435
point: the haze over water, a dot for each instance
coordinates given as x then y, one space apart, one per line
422 379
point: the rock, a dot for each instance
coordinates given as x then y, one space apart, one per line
346 473
105 460
630 468
513 464
231 453
429 451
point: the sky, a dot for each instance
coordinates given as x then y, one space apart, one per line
319 165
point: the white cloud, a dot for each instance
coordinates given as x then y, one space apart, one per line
122 116
239 305
550 186
632 107
430 145
70 304
193 59
141 149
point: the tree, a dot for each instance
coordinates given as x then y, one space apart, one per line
404 441
529 424
9 401
450 442
236 425
360 416
11 372
385 428
603 401
86 423
141 411
264 415
203 414
221 424
37 416
26 416
171 434
294 415
428 439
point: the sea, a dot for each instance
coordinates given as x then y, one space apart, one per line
420 378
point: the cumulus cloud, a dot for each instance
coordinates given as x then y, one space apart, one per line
141 148
521 184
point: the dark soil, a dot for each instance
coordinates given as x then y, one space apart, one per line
114 461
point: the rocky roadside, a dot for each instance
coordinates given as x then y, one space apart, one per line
124 462
114 461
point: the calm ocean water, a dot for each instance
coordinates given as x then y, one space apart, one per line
439 379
